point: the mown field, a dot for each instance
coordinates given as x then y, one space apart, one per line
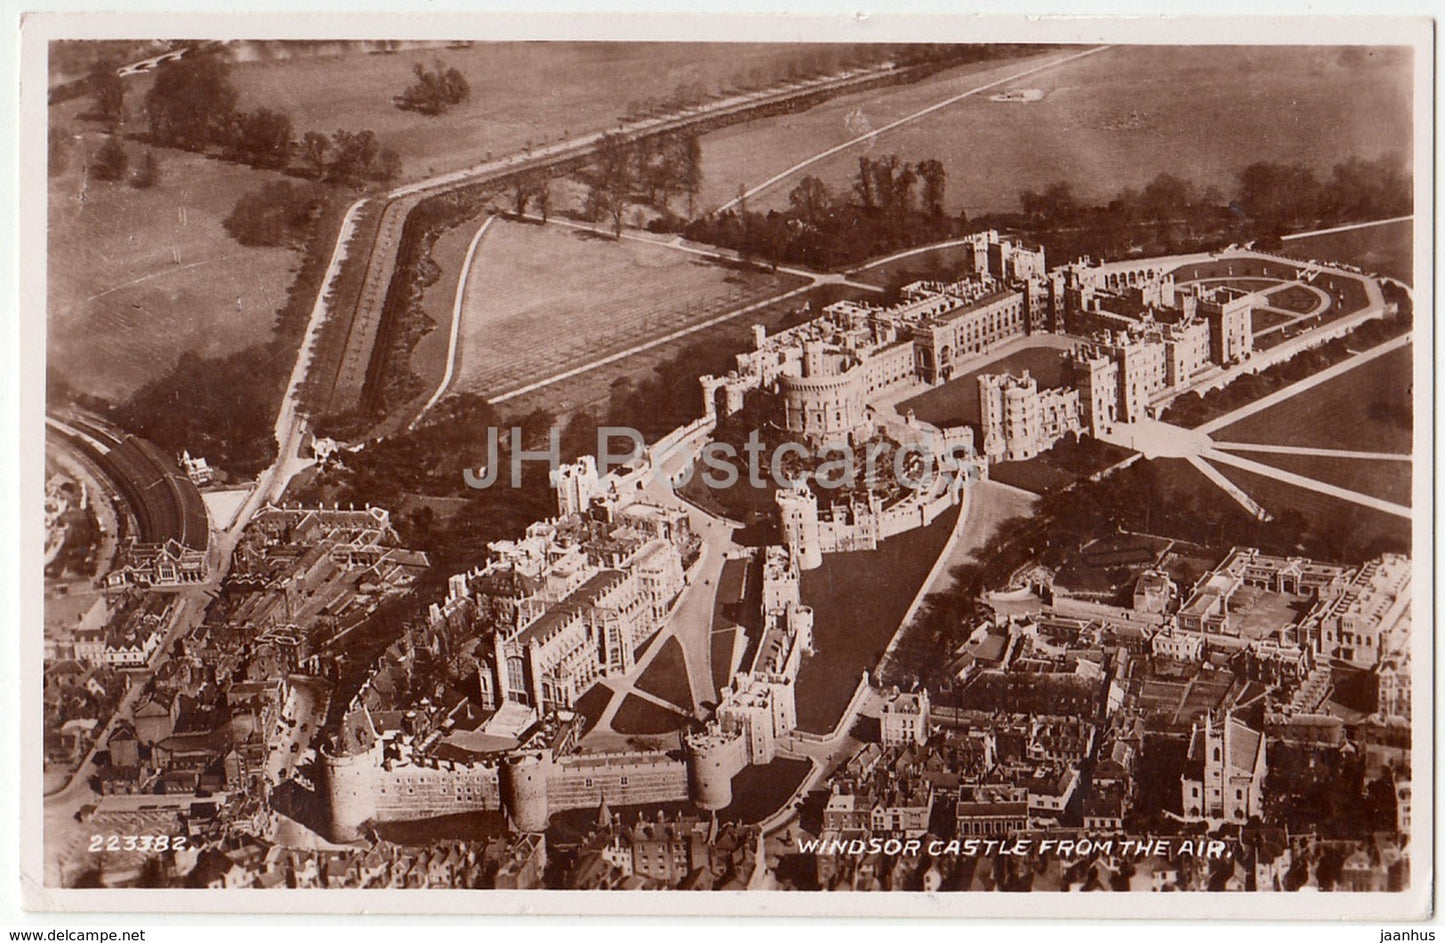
858 601
139 277
1365 409
1328 516
1106 121
1387 250
955 403
521 92
1389 480
544 299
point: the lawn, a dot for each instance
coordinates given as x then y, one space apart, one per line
1389 480
138 277
1388 250
593 704
1107 121
544 299
591 390
729 617
1295 298
955 403
666 676
640 717
1327 516
859 600
1366 409
1059 466
1261 320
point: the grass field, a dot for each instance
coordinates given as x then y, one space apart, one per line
591 390
1360 410
955 403
1106 121
1388 480
1295 298
859 599
640 717
139 277
1326 514
1261 320
544 299
1387 250
666 676
521 92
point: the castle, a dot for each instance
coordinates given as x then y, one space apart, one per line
759 707
827 369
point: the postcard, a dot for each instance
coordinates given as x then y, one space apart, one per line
490 464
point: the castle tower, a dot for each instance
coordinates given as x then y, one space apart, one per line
348 773
524 791
798 513
710 771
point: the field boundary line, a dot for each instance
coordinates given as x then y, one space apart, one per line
778 178
466 272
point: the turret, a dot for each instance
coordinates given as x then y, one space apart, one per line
525 791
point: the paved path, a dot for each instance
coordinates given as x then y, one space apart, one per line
873 134
1310 450
1228 487
1311 484
1347 228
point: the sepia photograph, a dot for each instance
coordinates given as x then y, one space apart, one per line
875 475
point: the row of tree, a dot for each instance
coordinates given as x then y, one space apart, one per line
1170 213
652 170
891 204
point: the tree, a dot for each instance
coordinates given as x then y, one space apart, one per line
110 160
1166 197
863 186
613 178
148 174
280 213
388 165
1278 195
810 200
263 137
434 89
191 102
355 154
313 152
934 179
107 91
691 169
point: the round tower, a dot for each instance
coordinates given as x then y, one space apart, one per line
709 772
524 792
347 784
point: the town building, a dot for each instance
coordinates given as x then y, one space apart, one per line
1224 771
